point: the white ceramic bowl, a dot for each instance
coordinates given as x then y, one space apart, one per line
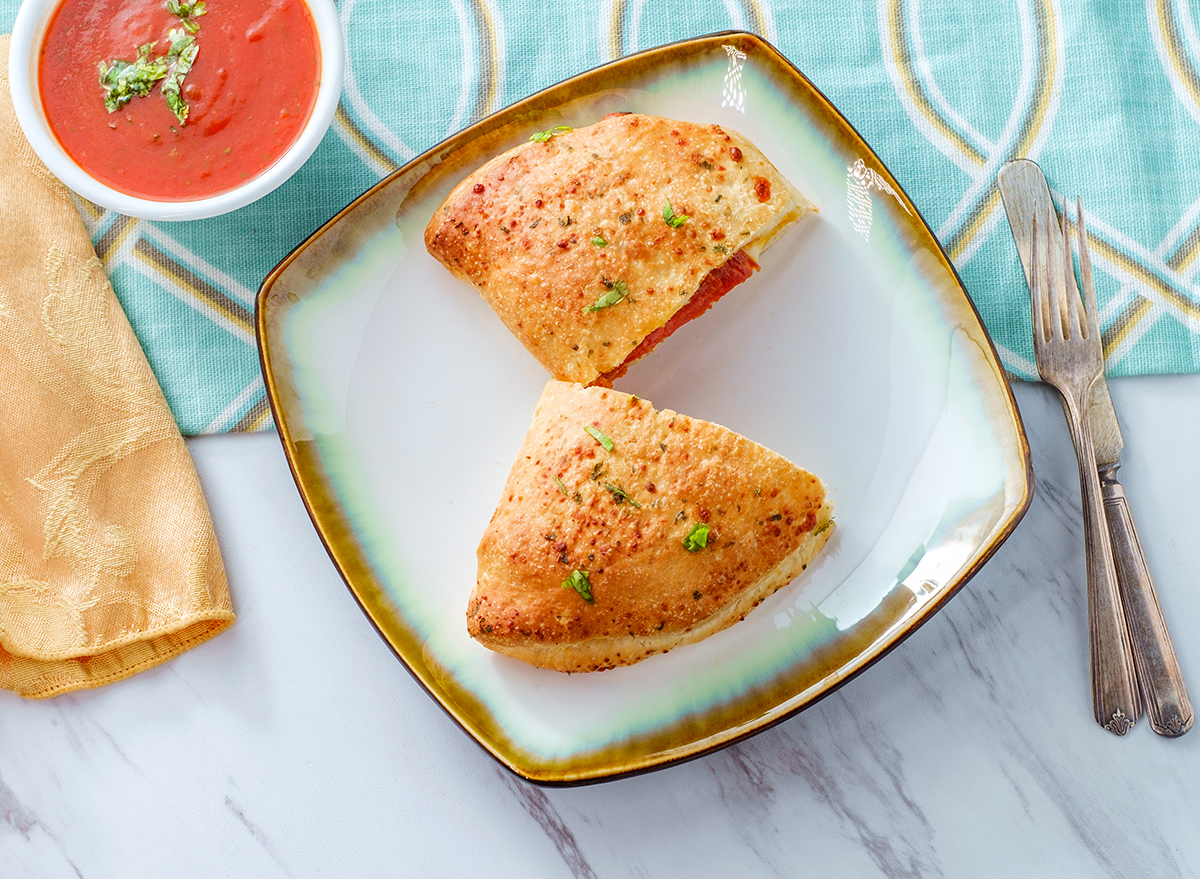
28 32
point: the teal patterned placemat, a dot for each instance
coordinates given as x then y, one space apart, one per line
1106 97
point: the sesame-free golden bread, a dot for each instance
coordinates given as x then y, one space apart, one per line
624 531
590 241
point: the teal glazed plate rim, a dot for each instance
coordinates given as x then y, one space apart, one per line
401 402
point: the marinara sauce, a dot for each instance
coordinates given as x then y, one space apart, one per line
249 93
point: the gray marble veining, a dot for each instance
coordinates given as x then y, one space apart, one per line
295 745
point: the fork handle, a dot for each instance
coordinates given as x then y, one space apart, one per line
1115 700
1168 707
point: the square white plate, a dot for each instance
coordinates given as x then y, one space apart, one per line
401 401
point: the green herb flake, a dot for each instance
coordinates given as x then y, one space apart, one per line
122 80
823 528
673 219
599 437
561 487
544 136
620 495
599 242
580 583
697 538
180 58
615 294
188 12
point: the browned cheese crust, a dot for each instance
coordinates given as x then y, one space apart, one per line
622 516
547 229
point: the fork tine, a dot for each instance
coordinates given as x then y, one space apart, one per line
1085 272
1075 324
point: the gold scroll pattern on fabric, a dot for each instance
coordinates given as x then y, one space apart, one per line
108 561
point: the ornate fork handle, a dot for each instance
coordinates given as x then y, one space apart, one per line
1115 699
1168 707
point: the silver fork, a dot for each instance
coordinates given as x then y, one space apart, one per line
1070 357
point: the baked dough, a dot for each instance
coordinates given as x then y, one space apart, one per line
589 241
621 517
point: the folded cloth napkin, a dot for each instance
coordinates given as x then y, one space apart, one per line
108 561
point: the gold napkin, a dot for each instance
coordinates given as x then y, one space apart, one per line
108 561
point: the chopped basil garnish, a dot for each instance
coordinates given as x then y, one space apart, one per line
189 12
122 80
673 219
544 136
618 292
620 495
180 58
580 583
697 538
599 242
599 437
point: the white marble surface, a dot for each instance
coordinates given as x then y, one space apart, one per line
296 745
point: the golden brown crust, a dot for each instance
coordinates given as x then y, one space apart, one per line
521 229
621 516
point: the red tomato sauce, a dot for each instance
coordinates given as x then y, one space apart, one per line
716 284
249 93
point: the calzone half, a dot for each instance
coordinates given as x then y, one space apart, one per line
594 244
625 531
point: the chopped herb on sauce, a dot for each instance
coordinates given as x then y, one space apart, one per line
599 242
544 136
561 487
620 495
697 538
673 219
188 12
121 80
599 437
180 58
615 294
580 583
